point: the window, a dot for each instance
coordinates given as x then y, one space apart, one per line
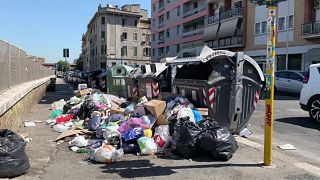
178 29
294 62
135 36
178 48
168 33
291 22
103 35
154 7
125 63
264 27
161 19
282 23
153 22
161 4
283 74
295 76
168 49
103 20
103 49
124 51
178 11
281 62
146 51
153 37
124 22
168 15
148 37
153 52
124 36
195 5
257 28
161 51
135 51
135 22
114 63
168 1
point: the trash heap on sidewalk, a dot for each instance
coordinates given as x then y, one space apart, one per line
107 127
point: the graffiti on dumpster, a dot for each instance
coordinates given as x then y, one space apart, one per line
268 115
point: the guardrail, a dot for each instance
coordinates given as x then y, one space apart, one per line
16 68
224 15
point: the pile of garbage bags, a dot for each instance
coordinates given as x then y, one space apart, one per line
107 127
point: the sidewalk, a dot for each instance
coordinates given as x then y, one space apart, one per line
51 161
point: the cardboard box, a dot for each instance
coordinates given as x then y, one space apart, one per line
161 120
203 111
114 111
155 107
82 93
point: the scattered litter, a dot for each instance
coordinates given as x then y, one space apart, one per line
79 141
287 147
38 121
74 148
29 124
245 133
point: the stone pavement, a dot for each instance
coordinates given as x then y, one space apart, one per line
50 160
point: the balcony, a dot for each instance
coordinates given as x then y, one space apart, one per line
160 41
310 30
193 33
194 11
230 42
235 12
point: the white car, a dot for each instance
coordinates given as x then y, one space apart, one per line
289 81
310 93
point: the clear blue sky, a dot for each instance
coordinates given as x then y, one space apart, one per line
44 27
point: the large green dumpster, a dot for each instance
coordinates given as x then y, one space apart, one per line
116 80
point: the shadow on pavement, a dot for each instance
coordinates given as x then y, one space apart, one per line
62 91
143 168
301 121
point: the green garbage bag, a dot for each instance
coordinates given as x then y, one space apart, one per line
56 113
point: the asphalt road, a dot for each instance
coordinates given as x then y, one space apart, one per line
291 126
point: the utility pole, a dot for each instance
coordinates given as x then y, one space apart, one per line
272 6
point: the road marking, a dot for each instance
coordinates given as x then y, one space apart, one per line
308 167
249 143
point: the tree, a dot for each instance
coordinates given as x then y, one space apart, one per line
79 63
63 65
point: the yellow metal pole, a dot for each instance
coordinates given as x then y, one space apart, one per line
271 55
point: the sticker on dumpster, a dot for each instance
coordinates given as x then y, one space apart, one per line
194 95
149 90
183 93
129 91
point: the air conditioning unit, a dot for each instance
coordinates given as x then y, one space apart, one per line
316 4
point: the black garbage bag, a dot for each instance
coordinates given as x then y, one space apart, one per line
13 159
185 137
218 142
208 123
66 108
87 108
125 104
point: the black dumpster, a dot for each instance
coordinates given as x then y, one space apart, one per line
227 83
132 83
151 84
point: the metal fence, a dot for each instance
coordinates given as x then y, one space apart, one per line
16 68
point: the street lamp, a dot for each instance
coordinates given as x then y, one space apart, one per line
272 6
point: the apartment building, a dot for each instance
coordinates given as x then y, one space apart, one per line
177 25
117 36
298 43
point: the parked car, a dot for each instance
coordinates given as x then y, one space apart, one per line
75 77
83 78
94 79
310 93
289 81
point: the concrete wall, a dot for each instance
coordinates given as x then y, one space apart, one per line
13 118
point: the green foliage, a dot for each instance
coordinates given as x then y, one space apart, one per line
63 65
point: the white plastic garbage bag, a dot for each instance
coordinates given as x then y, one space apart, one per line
147 146
58 105
60 128
186 112
110 131
79 141
162 137
106 154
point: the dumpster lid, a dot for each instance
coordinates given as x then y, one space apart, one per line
156 69
206 55
135 73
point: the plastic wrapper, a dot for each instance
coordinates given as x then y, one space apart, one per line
186 112
162 137
64 118
13 159
94 123
130 124
55 113
147 146
58 105
79 141
106 154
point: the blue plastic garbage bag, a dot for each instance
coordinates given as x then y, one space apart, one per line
94 123
116 118
197 116
135 133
